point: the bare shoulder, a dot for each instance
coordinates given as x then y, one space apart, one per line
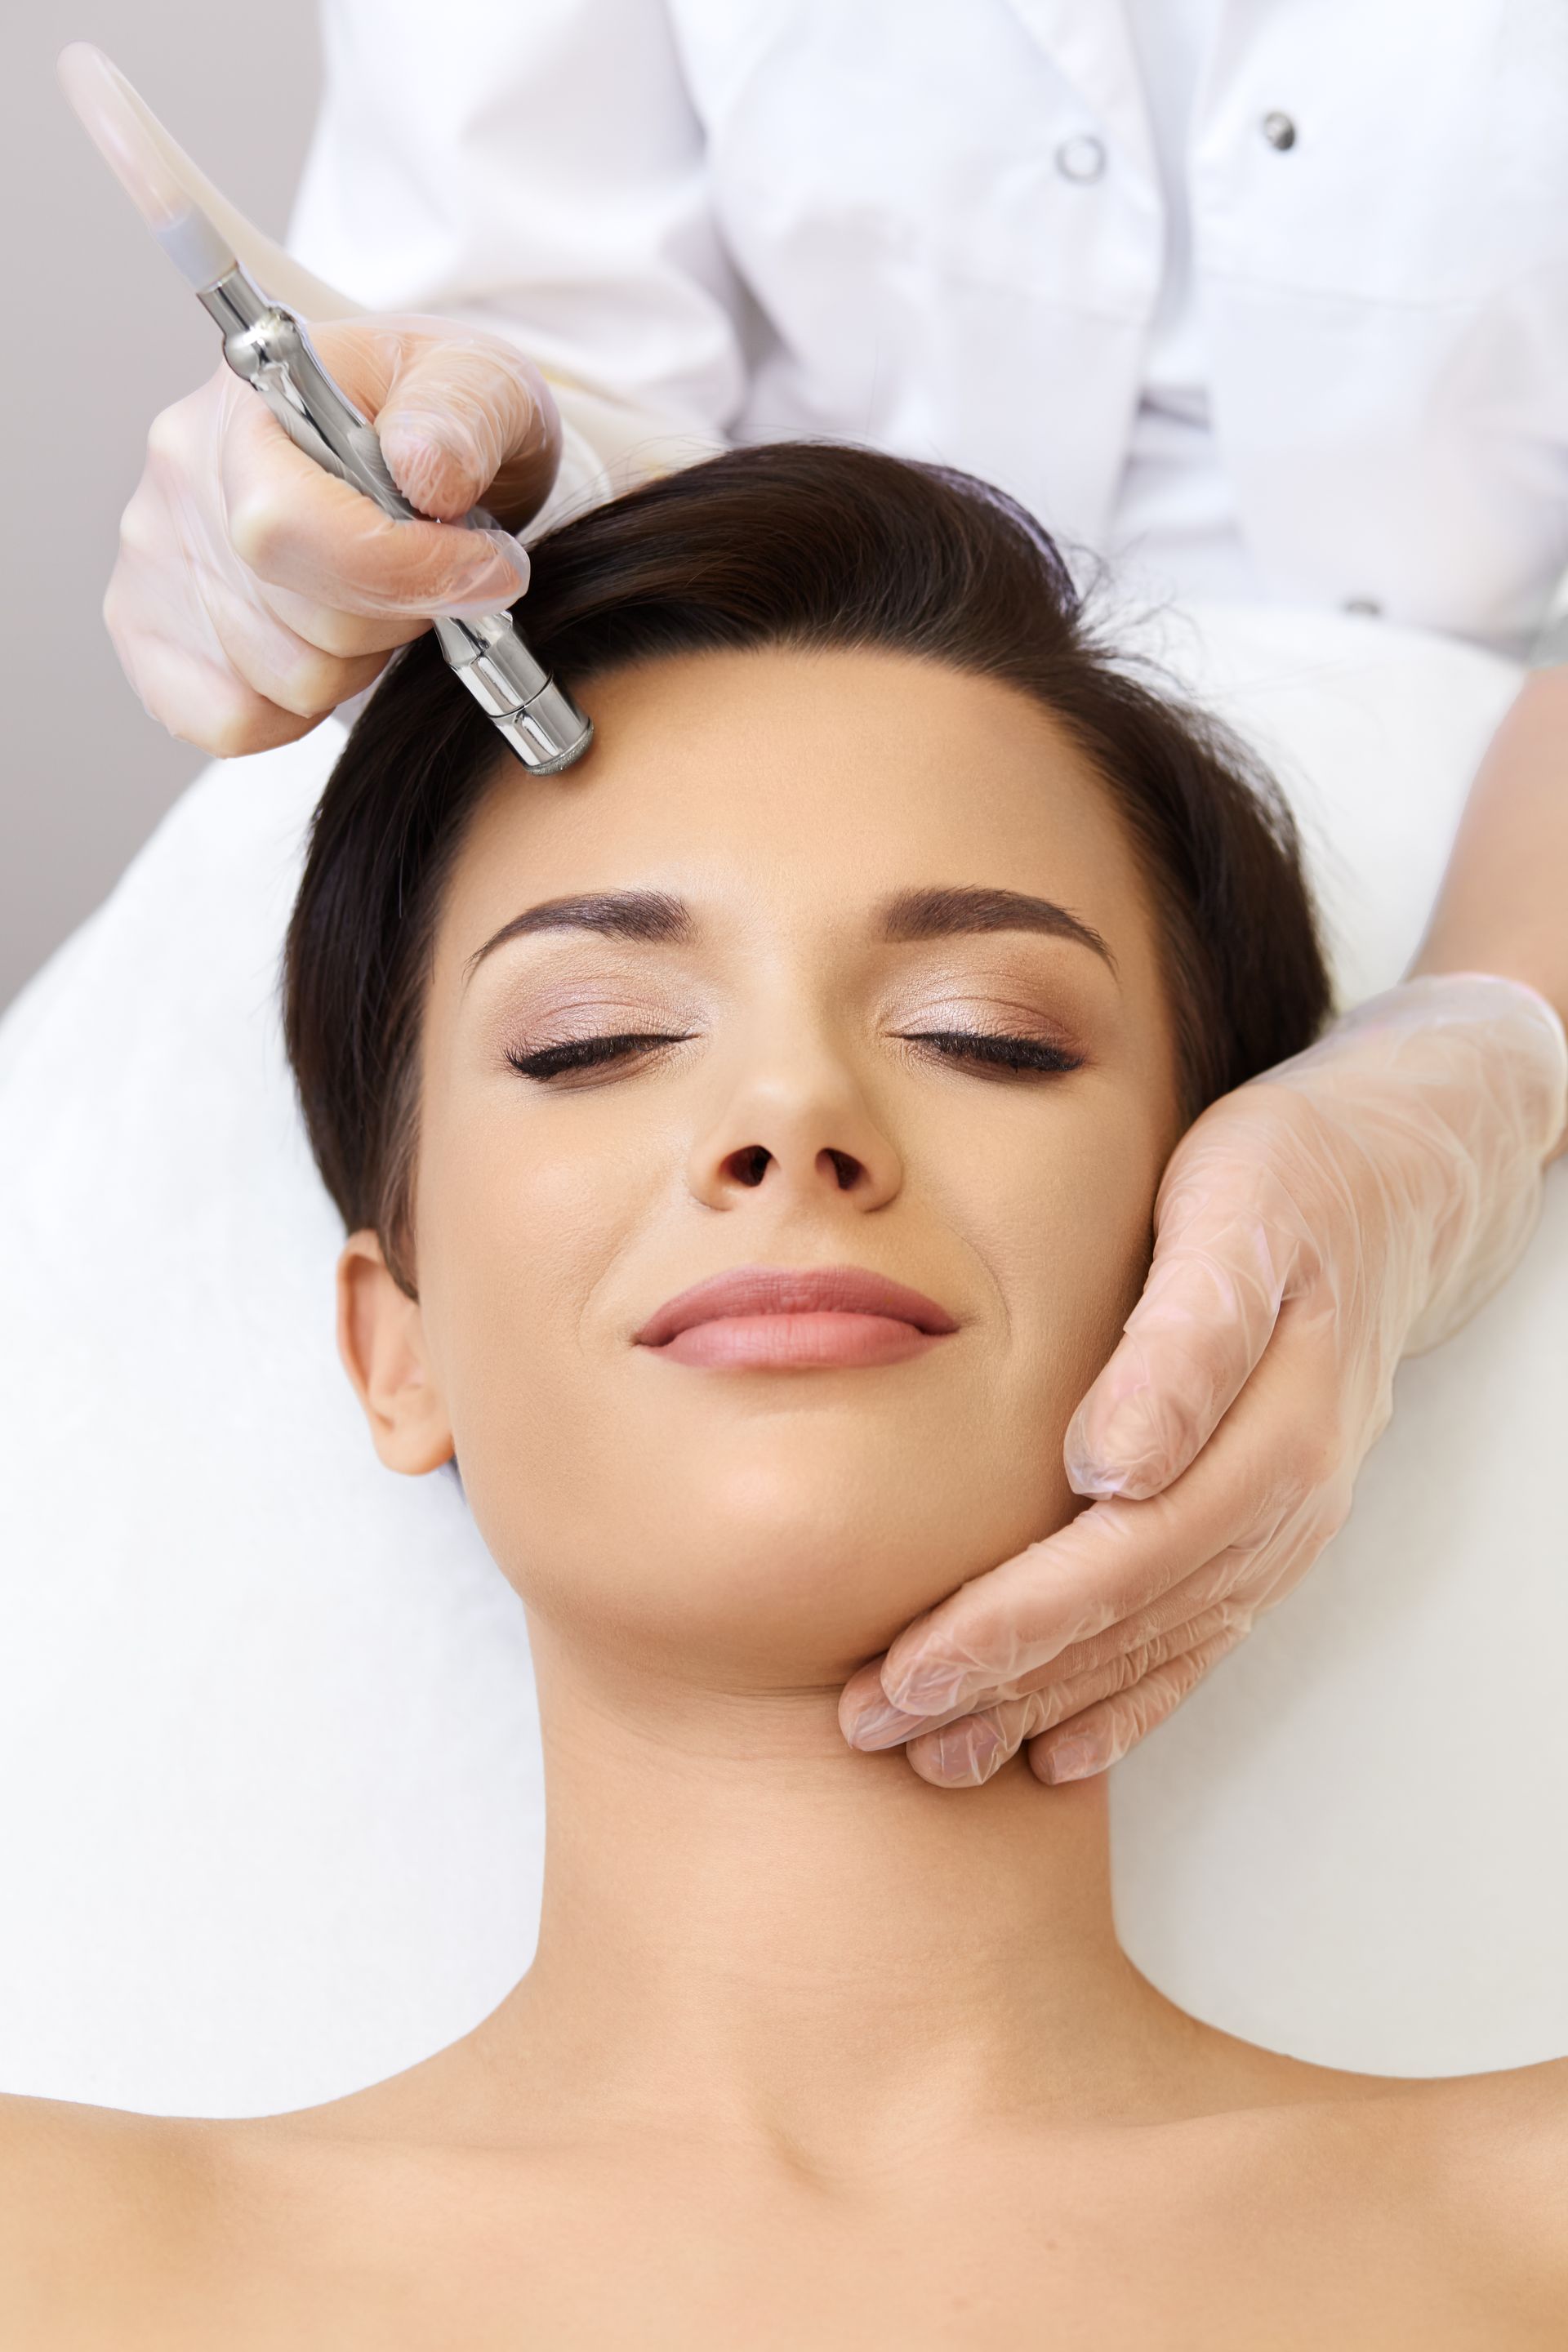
52 2149
97 2205
1492 2150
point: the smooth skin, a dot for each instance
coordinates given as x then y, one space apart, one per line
813 2052
254 594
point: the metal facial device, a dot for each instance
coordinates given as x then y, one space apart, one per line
268 345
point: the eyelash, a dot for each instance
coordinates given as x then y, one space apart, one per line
997 1049
996 1052
585 1053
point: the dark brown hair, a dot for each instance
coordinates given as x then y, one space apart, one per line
796 543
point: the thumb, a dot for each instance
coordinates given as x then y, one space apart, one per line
1207 1313
465 414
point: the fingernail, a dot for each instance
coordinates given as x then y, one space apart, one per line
495 578
970 1756
1120 1445
511 551
928 1687
428 472
1092 1479
883 1725
1124 1431
1074 1759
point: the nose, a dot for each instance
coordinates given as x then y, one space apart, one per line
796 1129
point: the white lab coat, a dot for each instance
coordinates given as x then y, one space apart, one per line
937 226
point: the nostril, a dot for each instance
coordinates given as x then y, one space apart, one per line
844 1168
748 1165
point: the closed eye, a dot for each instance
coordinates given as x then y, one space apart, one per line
995 1053
998 1054
577 1054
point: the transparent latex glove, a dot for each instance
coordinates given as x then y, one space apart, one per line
254 591
1354 1204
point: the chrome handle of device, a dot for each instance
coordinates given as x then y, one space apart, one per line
271 348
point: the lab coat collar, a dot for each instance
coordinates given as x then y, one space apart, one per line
1092 48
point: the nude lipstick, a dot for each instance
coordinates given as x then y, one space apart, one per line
796 1319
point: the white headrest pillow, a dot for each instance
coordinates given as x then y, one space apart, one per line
271 1817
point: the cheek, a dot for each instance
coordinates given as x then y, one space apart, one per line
1076 1261
515 1239
1060 1219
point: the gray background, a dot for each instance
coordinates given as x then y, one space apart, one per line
99 334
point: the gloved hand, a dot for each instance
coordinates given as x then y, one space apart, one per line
1354 1204
254 591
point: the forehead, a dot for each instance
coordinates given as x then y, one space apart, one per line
801 788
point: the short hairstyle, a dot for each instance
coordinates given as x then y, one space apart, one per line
802 544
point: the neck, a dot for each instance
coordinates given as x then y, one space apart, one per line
749 1928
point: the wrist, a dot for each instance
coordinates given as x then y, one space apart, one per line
1449 1092
1517 1022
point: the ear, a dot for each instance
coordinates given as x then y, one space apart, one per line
381 1338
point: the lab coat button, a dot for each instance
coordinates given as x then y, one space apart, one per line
1367 604
1082 158
1279 129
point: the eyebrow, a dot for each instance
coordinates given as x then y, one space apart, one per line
942 913
652 916
657 918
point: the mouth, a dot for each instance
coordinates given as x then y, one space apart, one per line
796 1319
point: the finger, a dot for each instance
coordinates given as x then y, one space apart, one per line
203 702
968 1751
276 664
1280 1452
301 529
1222 1255
459 413
1101 1736
867 1716
1111 1563
870 1719
345 634
159 621
1234 1589
1215 1584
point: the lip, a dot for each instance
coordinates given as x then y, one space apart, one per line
795 1317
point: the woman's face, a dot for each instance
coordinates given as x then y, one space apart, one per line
850 966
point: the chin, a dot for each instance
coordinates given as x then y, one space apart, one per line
773 1570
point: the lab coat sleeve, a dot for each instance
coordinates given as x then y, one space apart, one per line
535 167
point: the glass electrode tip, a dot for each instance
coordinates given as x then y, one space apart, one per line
144 160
